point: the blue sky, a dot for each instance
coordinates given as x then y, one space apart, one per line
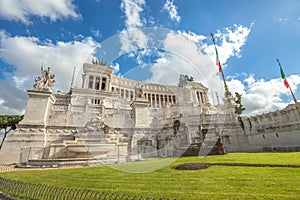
63 34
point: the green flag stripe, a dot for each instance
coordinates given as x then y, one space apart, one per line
282 73
216 50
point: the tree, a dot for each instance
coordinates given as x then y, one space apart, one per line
8 123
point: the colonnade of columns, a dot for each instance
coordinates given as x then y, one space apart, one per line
156 100
124 93
201 97
97 83
160 100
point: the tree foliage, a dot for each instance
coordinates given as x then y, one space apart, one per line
8 123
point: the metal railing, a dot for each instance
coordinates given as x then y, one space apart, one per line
47 192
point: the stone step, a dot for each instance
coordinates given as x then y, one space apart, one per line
212 148
61 162
99 141
69 142
58 162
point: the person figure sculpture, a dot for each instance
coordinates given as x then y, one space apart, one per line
138 92
46 82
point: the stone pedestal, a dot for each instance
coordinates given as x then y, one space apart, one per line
141 113
29 139
38 107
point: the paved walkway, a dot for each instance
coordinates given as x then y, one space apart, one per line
7 197
9 168
6 168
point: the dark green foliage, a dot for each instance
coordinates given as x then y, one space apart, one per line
8 123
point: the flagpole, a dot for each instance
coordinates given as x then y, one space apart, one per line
227 92
295 100
225 85
72 81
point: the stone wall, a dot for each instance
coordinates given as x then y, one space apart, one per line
274 131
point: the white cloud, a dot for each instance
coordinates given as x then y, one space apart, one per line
250 79
262 96
27 54
22 10
186 53
183 56
192 36
235 85
13 99
132 10
132 37
232 40
96 33
20 81
116 67
172 10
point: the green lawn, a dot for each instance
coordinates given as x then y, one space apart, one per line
216 182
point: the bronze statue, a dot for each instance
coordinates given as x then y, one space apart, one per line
239 108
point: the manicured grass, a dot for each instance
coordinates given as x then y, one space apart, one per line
251 158
216 182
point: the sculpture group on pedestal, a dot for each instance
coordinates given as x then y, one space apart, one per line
46 82
184 79
139 92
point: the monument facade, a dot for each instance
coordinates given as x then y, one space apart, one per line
114 119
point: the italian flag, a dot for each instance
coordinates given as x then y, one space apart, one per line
218 60
284 78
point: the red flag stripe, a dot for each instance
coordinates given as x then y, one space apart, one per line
286 83
220 67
